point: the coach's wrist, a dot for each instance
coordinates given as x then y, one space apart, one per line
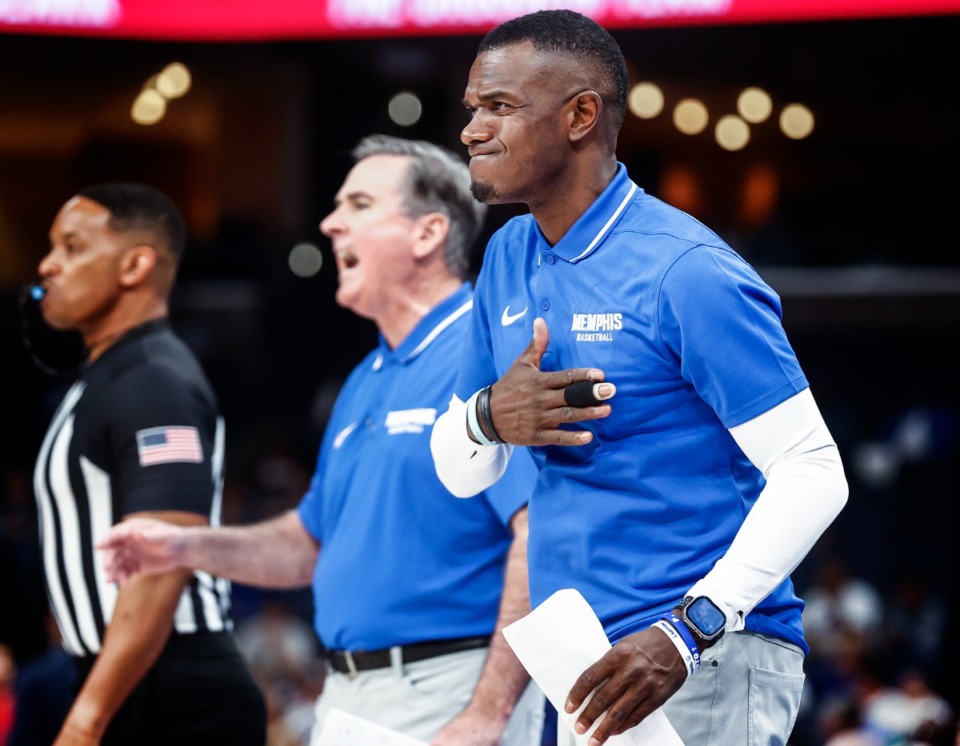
686 648
480 420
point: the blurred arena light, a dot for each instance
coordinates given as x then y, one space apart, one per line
690 116
305 260
405 108
754 105
796 121
732 133
174 80
646 100
877 464
149 107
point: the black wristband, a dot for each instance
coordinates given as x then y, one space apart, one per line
485 420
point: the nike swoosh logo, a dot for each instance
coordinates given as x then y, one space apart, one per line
507 319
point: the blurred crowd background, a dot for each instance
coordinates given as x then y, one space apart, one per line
853 224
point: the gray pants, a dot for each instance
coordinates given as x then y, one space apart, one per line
418 699
746 693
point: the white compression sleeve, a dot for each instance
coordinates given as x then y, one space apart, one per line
463 466
805 490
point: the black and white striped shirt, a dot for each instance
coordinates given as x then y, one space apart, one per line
140 430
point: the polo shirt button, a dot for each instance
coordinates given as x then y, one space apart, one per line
551 259
545 305
368 422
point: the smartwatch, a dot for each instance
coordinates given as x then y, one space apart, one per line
704 618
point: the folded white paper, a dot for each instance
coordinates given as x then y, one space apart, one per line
558 641
343 729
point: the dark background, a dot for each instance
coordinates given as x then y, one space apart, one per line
857 236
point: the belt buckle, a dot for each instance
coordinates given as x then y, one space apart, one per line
351 665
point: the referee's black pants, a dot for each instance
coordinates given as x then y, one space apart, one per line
199 692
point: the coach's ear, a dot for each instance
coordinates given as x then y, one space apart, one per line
430 234
584 111
136 265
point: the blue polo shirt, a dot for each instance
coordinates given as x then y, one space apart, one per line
401 559
692 338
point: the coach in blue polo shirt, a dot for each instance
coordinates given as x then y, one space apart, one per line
679 500
410 585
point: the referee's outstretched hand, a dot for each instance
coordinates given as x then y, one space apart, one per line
140 545
528 405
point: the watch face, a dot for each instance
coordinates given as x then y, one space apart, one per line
706 616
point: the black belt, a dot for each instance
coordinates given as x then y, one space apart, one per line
352 661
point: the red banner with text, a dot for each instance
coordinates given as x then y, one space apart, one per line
225 20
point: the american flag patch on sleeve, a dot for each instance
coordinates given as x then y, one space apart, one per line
166 445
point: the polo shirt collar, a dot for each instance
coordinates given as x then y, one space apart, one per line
591 229
430 327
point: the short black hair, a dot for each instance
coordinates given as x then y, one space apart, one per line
570 33
141 207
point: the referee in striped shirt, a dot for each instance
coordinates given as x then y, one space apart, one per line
139 433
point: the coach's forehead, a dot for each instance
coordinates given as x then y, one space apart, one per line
379 175
523 67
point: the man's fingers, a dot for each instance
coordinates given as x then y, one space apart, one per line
560 379
569 415
541 335
528 405
114 537
110 541
588 393
538 345
611 709
586 683
562 438
616 720
119 533
115 570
